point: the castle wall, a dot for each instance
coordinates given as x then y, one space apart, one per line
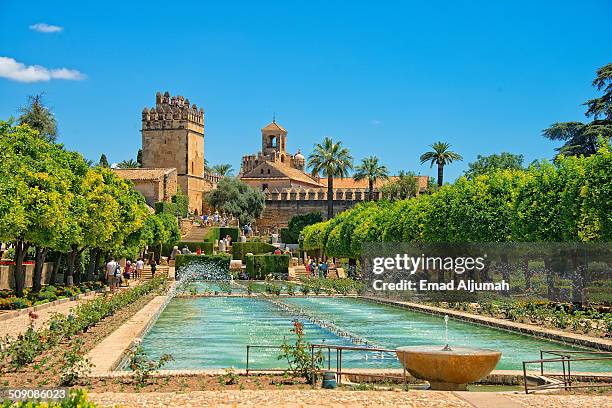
278 212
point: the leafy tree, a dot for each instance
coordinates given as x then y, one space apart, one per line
234 197
371 170
405 185
291 234
103 161
223 170
441 155
494 162
182 203
128 164
39 192
164 230
581 138
332 160
38 116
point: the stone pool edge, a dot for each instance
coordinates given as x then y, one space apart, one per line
110 353
522 328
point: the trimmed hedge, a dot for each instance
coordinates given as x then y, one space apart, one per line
206 247
240 249
221 261
233 232
258 266
216 233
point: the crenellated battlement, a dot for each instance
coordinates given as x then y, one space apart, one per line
172 112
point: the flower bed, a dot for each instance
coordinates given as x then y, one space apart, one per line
22 350
49 293
564 316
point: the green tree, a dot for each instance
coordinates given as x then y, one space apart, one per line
494 162
128 164
182 203
332 160
581 138
164 230
405 185
441 155
291 234
39 117
370 169
237 198
223 170
103 162
39 191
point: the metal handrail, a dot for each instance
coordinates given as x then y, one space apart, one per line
329 347
340 348
564 357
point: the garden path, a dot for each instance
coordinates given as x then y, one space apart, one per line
17 325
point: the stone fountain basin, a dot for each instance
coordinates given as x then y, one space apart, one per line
448 370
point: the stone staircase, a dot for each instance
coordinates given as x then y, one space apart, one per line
161 270
196 234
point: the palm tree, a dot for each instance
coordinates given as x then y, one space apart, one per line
39 117
332 160
440 155
223 170
371 170
128 164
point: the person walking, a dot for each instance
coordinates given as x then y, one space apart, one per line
139 269
127 273
153 266
111 268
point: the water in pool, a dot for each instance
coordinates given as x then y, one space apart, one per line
213 333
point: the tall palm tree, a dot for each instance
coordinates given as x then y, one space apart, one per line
440 155
223 170
128 164
332 160
370 170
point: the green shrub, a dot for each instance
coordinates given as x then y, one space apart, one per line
240 249
220 261
233 232
206 247
250 266
162 207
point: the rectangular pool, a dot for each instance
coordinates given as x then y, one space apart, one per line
212 332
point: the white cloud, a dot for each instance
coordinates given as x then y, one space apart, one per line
46 28
16 71
375 122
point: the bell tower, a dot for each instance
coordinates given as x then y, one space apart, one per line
274 142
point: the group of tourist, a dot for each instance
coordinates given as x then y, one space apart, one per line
116 275
209 219
316 268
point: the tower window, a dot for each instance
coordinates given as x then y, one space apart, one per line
268 171
261 171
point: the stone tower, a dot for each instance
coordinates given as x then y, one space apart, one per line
173 137
274 142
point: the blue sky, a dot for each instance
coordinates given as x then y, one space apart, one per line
387 79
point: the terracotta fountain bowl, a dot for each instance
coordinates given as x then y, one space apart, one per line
448 369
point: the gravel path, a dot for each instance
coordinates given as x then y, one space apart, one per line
563 401
280 398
